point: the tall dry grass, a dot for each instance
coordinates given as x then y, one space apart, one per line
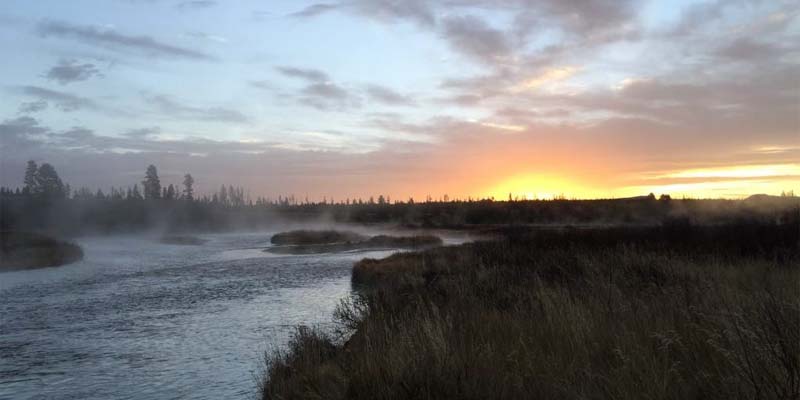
678 312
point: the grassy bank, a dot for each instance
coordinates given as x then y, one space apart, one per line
663 313
21 250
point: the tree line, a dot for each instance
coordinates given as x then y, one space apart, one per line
42 181
45 202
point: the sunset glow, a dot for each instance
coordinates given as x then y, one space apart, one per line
541 187
740 171
352 99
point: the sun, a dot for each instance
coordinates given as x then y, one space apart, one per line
539 187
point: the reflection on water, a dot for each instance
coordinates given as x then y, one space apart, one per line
138 319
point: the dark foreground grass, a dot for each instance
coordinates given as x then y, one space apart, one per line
678 312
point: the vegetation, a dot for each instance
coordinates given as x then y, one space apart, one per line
19 250
45 203
304 237
671 312
313 242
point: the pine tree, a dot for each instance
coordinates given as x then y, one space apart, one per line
188 191
136 194
223 195
31 183
170 192
48 183
151 183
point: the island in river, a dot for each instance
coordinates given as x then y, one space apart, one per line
24 250
330 241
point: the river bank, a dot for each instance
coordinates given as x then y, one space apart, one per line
666 312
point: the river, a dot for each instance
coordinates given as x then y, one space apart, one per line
137 319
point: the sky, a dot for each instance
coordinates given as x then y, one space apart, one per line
407 98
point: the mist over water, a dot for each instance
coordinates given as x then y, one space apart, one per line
139 319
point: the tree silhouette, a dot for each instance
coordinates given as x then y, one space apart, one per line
188 191
151 183
169 192
135 194
223 195
48 182
31 183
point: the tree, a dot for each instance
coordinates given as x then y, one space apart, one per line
135 194
151 184
31 183
170 192
188 191
223 195
48 183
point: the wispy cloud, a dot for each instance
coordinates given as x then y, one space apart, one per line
474 38
68 71
113 40
308 74
171 107
206 36
314 10
388 96
64 101
328 96
32 107
196 4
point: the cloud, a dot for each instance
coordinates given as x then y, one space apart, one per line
473 37
32 107
388 96
320 92
116 41
64 101
418 11
206 36
314 10
584 21
20 134
310 75
542 84
328 96
262 84
547 77
142 133
68 71
196 4
746 49
168 106
316 162
325 90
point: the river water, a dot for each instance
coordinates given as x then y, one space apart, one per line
137 319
